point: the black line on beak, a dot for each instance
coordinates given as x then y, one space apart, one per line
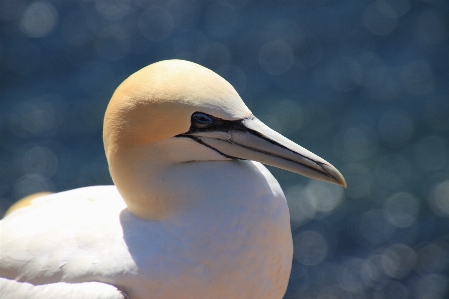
222 125
207 145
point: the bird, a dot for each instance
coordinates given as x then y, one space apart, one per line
192 213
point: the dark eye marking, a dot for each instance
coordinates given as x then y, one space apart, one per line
201 120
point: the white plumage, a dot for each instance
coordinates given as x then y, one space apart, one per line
11 289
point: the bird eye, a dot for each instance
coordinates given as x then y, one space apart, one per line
201 120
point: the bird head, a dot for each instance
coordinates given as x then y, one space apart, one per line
175 99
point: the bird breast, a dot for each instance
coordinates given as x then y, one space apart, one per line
236 244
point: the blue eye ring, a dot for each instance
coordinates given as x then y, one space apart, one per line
202 119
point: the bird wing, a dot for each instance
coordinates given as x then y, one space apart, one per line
72 236
11 289
26 201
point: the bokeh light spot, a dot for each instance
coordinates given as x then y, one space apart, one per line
112 9
31 183
288 116
373 270
301 207
184 12
431 153
350 277
326 197
439 199
432 286
392 290
316 200
380 18
41 161
310 248
400 7
36 117
276 57
356 143
39 19
402 209
333 291
398 260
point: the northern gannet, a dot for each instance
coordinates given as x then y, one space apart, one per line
191 214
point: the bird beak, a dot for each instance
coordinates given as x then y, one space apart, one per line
251 139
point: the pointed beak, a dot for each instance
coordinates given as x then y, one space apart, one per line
251 139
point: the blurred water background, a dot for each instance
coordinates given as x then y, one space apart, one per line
364 84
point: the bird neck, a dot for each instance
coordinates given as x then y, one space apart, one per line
165 178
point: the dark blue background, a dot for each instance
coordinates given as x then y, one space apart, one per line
364 84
